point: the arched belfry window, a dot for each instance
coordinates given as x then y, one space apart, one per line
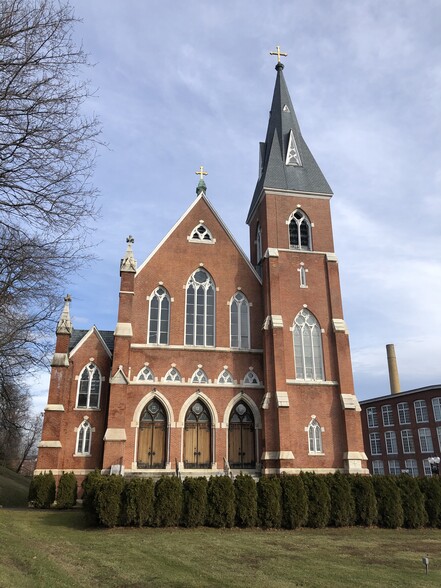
240 321
197 436
199 316
307 347
241 437
201 233
152 436
299 231
315 437
84 438
159 317
89 387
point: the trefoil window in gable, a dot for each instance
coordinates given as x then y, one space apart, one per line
292 153
202 233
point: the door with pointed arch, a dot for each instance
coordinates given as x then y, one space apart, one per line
152 436
197 436
241 437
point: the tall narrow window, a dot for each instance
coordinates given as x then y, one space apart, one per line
378 467
259 249
199 326
302 273
407 441
299 231
307 347
372 417
240 321
159 321
421 412
394 467
391 442
436 405
375 443
84 438
388 419
411 466
403 413
426 443
89 387
315 437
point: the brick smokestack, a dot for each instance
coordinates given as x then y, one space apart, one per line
394 378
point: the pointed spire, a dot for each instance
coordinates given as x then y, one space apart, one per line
128 263
64 325
286 162
201 185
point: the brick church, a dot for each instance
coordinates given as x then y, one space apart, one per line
218 361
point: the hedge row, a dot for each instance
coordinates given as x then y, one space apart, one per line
43 492
287 501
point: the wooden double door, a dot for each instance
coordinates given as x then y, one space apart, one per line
241 438
152 436
197 437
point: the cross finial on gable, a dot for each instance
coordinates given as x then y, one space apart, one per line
201 185
201 172
278 53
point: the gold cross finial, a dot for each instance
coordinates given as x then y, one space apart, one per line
201 172
278 53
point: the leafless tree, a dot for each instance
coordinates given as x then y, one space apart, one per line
47 151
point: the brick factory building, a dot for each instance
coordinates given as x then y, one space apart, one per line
219 361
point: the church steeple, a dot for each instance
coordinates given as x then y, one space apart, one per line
286 162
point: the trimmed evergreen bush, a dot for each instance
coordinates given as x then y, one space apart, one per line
412 500
390 510
194 507
364 499
168 501
67 490
319 500
294 502
342 511
220 502
431 489
269 498
90 486
42 490
139 495
246 501
108 500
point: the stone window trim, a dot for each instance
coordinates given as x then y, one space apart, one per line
240 337
201 234
89 387
83 444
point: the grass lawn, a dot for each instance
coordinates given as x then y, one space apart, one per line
55 549
14 488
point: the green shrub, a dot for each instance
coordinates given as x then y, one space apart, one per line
294 502
67 490
220 502
319 500
168 501
194 508
412 500
390 510
139 494
365 501
342 511
431 489
246 501
42 490
108 500
269 499
90 486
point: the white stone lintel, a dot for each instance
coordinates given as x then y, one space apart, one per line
350 402
54 444
115 435
123 330
60 360
54 407
282 399
271 252
277 321
339 326
355 455
331 257
277 455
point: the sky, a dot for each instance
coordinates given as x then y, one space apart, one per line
184 84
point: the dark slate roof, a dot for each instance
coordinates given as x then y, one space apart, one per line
78 334
274 172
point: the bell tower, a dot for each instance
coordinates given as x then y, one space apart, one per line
311 416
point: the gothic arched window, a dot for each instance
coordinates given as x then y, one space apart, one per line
89 387
315 437
173 375
199 316
146 375
84 438
159 317
225 377
199 377
201 233
240 321
307 347
299 231
251 378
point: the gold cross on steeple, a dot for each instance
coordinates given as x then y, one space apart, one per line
278 53
201 172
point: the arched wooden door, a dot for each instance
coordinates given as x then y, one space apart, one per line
197 437
152 436
241 437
